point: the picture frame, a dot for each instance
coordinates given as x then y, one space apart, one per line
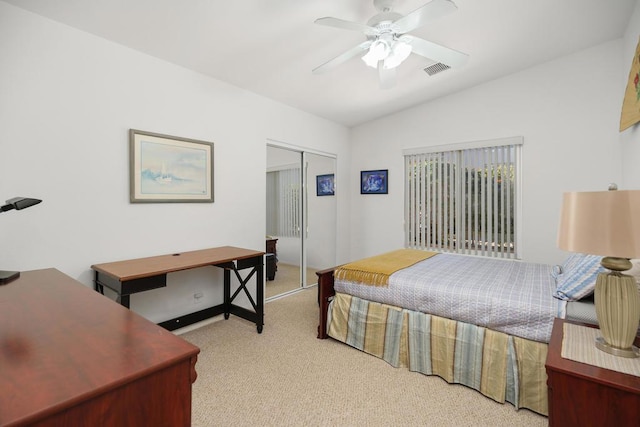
630 114
325 185
374 181
169 169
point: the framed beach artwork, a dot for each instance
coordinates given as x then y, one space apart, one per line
374 182
631 102
325 185
169 169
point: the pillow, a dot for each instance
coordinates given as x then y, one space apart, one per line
568 264
578 277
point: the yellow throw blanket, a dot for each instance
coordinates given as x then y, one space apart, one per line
377 269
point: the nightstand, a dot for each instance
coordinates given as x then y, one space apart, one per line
586 395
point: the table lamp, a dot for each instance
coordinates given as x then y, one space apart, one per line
608 223
17 203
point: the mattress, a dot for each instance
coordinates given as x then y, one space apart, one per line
504 295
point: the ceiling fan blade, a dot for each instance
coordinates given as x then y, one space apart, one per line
436 52
387 76
347 25
332 63
419 17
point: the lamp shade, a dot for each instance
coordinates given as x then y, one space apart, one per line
378 51
400 51
603 223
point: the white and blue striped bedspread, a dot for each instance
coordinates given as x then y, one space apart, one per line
504 295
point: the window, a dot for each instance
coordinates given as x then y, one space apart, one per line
283 202
464 198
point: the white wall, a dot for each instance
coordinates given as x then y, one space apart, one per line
67 101
630 138
321 217
567 111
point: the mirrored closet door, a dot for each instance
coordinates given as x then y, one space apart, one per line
301 213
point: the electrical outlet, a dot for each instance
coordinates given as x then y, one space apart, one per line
197 297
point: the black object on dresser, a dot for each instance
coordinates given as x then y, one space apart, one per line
271 258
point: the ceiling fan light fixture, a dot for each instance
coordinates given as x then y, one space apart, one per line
401 51
389 42
370 60
378 51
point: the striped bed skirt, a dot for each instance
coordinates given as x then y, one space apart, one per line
500 366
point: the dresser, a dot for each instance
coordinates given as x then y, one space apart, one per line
70 357
585 395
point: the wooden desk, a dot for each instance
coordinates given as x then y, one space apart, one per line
587 395
143 274
70 357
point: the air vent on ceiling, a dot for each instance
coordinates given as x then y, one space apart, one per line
436 68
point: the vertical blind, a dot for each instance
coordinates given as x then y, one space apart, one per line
463 201
283 203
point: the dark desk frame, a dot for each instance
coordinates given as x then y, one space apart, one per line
143 274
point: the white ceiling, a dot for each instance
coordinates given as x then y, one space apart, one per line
270 46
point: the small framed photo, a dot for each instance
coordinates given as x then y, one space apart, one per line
325 185
169 169
374 182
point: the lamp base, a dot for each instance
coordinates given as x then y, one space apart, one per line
630 353
618 311
8 276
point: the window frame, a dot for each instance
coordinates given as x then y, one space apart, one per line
457 193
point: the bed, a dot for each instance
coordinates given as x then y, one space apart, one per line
481 322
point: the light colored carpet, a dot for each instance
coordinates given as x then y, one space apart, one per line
287 377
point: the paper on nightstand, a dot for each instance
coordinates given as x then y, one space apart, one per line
578 344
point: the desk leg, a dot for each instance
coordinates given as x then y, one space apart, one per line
99 287
257 267
123 300
96 283
227 293
260 294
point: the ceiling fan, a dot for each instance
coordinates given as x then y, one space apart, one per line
388 43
